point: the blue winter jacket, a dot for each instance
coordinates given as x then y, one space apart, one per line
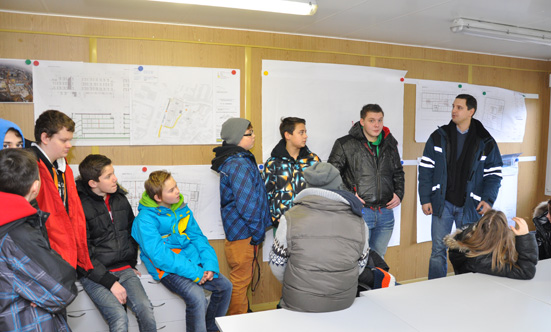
243 198
171 241
484 179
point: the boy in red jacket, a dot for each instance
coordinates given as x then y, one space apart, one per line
58 194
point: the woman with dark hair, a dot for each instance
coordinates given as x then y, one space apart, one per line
490 246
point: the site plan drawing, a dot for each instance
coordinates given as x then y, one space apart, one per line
114 104
182 105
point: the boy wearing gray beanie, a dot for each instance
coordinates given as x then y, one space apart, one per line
243 205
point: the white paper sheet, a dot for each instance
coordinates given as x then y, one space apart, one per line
330 98
197 183
501 111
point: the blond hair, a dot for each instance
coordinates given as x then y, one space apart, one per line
154 184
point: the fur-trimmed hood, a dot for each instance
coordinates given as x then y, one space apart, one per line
451 240
540 209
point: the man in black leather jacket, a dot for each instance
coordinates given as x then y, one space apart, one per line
370 166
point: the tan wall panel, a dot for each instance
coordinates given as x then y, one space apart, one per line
61 38
43 47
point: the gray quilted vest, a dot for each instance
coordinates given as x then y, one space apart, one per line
325 240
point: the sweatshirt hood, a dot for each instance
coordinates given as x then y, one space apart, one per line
280 151
222 153
149 202
14 207
4 126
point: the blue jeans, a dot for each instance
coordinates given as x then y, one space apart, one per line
199 317
113 311
442 226
380 223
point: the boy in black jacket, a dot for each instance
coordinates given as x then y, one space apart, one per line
36 283
114 280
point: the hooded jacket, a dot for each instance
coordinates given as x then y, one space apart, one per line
484 175
526 264
243 199
66 229
319 251
284 177
30 271
543 230
5 125
374 179
109 241
171 241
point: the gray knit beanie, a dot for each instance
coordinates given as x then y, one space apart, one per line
324 176
233 130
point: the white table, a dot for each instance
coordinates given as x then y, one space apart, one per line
468 302
538 288
359 317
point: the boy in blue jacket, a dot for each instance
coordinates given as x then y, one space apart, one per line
176 252
243 206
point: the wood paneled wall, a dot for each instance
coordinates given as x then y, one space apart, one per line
25 36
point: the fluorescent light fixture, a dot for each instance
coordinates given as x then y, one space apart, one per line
500 31
297 7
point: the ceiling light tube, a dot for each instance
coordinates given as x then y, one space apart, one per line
297 7
500 31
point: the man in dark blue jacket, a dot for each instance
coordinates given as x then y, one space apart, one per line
459 177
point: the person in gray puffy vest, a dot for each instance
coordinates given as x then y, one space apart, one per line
317 262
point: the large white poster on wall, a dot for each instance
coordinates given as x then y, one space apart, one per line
501 111
329 97
197 183
114 104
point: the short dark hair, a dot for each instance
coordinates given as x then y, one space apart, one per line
469 100
18 171
51 122
14 131
92 166
375 108
154 184
288 125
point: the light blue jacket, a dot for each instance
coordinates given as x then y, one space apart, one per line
172 242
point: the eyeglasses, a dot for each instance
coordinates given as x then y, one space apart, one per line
249 134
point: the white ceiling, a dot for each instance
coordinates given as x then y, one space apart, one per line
409 22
